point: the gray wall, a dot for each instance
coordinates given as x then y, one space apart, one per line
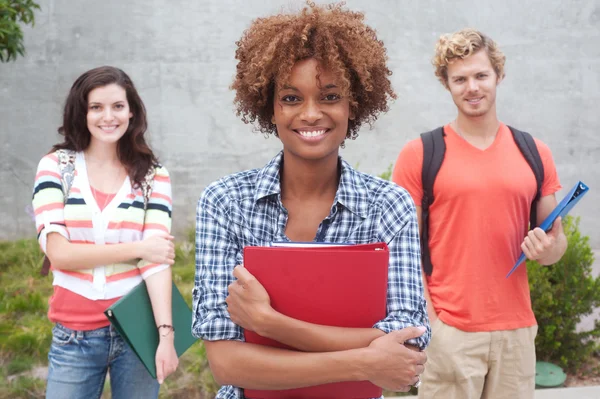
180 54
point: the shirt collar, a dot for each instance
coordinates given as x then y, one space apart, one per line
352 191
268 182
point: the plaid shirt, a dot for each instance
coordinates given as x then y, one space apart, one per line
245 209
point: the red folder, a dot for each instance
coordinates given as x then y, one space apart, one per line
344 286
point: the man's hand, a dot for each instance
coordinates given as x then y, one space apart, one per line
397 367
158 248
539 245
248 303
166 357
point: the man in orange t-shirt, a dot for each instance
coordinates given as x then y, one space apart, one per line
482 323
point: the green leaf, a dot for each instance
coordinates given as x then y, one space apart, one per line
13 14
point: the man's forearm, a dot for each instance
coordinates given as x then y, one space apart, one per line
260 367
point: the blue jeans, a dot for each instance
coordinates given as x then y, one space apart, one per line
78 362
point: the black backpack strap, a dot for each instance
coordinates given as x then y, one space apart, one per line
529 150
434 149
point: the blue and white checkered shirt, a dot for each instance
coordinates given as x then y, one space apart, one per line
245 209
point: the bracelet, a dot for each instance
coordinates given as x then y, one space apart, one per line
165 326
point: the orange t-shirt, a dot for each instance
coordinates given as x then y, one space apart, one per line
477 224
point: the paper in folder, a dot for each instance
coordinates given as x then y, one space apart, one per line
562 209
133 319
344 286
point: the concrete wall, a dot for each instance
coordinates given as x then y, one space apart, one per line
180 54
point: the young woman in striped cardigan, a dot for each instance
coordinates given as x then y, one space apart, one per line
103 236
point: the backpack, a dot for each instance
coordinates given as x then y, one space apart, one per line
66 168
434 148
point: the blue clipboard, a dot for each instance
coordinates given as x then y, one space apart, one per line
567 203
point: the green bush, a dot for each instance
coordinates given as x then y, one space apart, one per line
561 295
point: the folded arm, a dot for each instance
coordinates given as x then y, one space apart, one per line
69 256
261 367
48 203
386 363
249 307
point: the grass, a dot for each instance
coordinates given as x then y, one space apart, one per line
26 333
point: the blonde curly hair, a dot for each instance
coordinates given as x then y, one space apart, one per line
462 44
337 38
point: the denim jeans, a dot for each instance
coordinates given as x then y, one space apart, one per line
79 360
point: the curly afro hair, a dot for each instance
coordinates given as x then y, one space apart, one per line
337 38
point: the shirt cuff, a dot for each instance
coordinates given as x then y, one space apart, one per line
387 326
218 329
148 269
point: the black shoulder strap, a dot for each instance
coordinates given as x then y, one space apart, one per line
434 149
529 150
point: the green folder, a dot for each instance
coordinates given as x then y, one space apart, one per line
132 317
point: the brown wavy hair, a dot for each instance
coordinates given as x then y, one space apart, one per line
337 38
132 149
462 44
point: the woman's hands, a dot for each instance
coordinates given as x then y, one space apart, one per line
157 248
398 366
248 303
166 356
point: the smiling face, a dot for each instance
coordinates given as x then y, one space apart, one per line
472 83
108 113
310 112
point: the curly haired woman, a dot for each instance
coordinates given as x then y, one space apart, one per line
312 79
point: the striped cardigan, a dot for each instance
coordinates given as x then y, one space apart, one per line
81 221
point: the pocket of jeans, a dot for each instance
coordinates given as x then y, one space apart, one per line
60 337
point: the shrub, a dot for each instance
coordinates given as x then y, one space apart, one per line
561 295
13 13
